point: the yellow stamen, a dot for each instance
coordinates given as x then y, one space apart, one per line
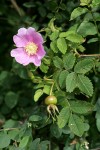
31 48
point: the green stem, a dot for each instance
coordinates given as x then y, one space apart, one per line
51 88
42 30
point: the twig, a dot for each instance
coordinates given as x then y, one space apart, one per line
86 55
89 55
15 5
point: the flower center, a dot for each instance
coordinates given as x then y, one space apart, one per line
31 48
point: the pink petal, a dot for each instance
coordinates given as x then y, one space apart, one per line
20 41
20 55
30 29
34 59
41 52
34 36
16 52
37 62
22 31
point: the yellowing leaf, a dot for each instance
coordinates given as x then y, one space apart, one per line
38 94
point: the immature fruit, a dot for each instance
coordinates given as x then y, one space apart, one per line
51 100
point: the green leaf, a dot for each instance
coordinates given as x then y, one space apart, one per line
38 94
46 89
81 107
62 101
23 143
3 77
51 24
98 121
62 6
20 70
85 85
10 124
62 45
54 35
84 2
65 34
76 125
92 40
77 12
44 68
35 118
53 46
56 77
13 133
76 38
44 145
71 82
86 126
84 66
69 60
11 99
72 30
95 2
62 78
43 10
58 62
98 114
35 145
4 140
87 28
63 117
81 48
55 130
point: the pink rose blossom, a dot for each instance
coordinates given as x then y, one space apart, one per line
29 45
